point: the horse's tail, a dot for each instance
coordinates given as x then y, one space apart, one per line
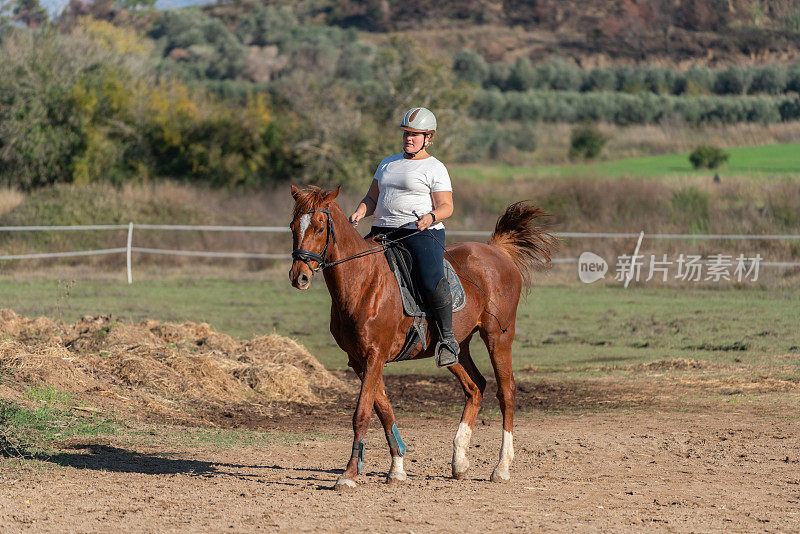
526 242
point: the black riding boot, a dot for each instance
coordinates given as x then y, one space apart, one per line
441 307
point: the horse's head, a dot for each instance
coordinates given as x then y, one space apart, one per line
312 232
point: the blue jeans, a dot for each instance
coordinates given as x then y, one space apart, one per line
428 255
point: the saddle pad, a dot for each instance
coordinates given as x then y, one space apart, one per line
400 261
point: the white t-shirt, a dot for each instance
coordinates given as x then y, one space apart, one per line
405 186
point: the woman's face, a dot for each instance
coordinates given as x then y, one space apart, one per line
412 141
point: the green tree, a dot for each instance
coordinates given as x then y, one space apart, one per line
707 157
586 142
470 66
523 75
38 132
30 13
203 46
135 5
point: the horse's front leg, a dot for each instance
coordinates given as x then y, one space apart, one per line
361 417
397 448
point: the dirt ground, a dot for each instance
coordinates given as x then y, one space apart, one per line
636 468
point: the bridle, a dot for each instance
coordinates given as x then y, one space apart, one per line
309 255
322 263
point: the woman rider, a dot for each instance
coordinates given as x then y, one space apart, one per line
411 191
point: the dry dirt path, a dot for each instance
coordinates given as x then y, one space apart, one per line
673 472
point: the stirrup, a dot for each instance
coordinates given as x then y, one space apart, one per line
445 353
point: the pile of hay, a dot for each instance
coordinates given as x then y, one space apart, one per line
169 368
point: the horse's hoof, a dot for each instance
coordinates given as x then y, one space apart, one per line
345 484
500 476
460 469
396 478
459 475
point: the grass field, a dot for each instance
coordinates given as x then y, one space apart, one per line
558 328
755 162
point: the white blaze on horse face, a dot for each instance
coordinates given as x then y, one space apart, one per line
305 220
460 446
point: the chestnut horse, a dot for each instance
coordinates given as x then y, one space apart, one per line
368 322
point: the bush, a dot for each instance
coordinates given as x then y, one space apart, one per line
523 75
586 142
630 79
697 80
707 157
470 66
565 76
600 80
659 80
624 108
499 74
733 80
771 79
560 75
493 140
201 45
39 129
266 25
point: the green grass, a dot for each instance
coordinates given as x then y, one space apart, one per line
752 161
52 415
48 394
557 327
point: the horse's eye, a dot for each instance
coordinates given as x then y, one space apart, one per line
319 230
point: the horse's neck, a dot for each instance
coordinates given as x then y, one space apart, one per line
347 281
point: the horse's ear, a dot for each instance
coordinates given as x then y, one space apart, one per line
333 194
295 192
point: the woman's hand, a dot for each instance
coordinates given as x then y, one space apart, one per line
367 204
424 222
358 215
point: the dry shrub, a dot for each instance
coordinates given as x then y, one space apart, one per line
172 368
10 198
678 364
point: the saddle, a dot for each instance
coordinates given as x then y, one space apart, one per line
414 305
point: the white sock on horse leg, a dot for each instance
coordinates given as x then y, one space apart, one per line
501 472
460 446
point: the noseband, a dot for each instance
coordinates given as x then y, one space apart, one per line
308 255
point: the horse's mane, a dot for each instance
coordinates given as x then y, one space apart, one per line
309 198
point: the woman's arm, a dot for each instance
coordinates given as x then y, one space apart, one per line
442 209
367 205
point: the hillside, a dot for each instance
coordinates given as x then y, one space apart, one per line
593 32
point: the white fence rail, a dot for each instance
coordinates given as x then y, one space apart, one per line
129 249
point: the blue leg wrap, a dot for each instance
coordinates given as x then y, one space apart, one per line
395 440
358 452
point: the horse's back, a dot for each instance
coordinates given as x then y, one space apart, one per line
488 266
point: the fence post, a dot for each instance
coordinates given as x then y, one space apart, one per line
633 260
128 252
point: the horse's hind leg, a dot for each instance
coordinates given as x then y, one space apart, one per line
474 384
499 345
